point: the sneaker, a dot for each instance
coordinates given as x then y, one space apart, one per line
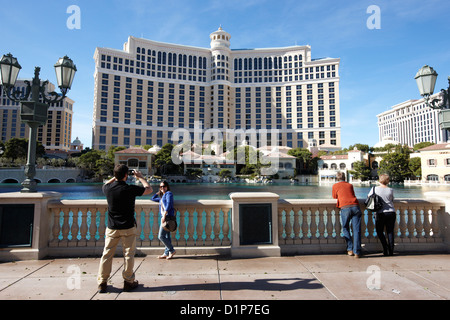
128 286
102 287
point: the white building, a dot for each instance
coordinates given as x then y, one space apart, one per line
330 165
411 122
147 90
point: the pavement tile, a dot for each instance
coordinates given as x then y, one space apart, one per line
359 286
267 265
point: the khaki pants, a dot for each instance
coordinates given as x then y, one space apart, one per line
112 239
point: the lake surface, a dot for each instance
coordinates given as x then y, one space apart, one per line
220 191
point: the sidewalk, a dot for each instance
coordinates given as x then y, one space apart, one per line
317 277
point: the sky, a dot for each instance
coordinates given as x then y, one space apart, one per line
380 50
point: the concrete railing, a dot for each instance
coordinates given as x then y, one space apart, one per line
73 228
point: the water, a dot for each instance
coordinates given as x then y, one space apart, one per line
220 191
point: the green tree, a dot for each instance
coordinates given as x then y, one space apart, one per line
306 163
360 171
422 145
96 163
416 167
225 173
17 148
396 165
163 161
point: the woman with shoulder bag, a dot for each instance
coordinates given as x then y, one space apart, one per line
386 216
165 198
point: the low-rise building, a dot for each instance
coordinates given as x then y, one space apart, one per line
435 163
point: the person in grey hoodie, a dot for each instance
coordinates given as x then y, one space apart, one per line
386 216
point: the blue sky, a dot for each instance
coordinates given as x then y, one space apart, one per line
377 65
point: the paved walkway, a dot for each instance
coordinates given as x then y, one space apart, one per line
318 277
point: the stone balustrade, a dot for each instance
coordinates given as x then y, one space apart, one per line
74 228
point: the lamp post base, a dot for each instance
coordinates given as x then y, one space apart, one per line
29 186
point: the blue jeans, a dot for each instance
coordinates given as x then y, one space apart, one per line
352 214
164 237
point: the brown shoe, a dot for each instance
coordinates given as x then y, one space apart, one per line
350 253
102 287
357 256
128 286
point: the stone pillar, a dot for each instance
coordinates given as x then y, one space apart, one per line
41 224
256 212
444 224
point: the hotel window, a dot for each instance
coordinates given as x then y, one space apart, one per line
447 162
431 162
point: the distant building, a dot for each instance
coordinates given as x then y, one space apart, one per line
54 135
135 158
147 90
411 122
330 165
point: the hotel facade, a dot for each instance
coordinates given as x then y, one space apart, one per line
410 123
147 90
55 135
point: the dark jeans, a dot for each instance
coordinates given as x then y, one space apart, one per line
353 215
382 220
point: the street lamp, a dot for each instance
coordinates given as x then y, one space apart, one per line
426 80
34 109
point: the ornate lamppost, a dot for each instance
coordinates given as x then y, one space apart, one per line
34 103
426 80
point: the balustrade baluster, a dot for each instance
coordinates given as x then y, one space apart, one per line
154 241
321 225
296 226
329 225
65 228
305 225
199 228
138 218
216 229
56 227
102 227
426 222
208 229
190 227
281 240
92 227
145 242
410 223
83 227
402 224
313 225
288 227
418 223
435 223
226 228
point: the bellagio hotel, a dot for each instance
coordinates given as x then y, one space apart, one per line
147 90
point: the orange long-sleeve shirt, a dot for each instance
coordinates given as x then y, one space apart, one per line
344 193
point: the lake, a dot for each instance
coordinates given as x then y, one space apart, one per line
220 191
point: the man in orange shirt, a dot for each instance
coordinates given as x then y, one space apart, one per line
350 211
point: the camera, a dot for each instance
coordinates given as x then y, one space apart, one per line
131 172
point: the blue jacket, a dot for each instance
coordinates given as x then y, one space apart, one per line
167 199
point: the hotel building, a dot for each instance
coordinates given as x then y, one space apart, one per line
147 90
411 122
54 135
